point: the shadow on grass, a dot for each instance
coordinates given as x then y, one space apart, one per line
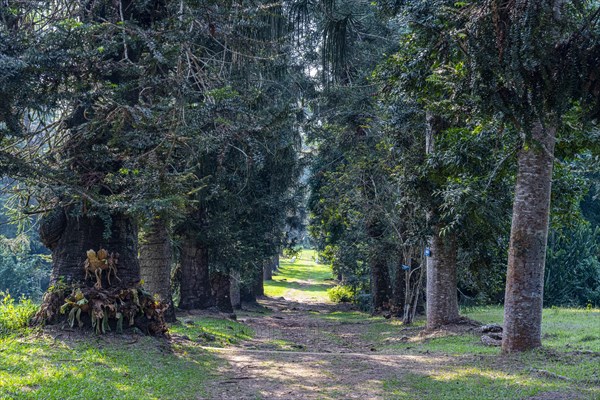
337 376
101 368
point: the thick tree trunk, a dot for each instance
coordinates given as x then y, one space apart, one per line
258 288
156 257
380 284
70 237
220 287
234 290
442 297
528 237
441 287
267 270
195 278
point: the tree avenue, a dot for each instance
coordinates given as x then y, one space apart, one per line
169 152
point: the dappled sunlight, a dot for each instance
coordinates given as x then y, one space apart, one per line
114 368
319 375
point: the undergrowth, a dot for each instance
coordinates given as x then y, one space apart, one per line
15 315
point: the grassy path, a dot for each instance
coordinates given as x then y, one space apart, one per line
301 280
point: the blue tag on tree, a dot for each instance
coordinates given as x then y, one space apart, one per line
427 252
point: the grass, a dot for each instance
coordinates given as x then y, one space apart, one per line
34 365
214 331
302 279
466 383
14 316
569 362
39 367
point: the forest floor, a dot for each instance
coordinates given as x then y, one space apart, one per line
296 344
305 347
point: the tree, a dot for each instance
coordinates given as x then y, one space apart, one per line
536 57
155 264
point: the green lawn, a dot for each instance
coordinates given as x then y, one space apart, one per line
301 280
39 367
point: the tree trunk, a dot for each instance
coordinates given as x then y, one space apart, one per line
442 297
155 265
528 237
441 287
221 287
380 284
268 270
70 237
234 290
258 288
195 278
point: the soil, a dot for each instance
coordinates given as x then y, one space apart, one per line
301 351
298 354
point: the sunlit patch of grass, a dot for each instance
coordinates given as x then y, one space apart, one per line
469 383
563 329
567 362
349 317
43 368
219 332
302 278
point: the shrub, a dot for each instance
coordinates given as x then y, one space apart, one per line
341 294
14 317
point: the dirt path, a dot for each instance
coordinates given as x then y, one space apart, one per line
324 358
307 348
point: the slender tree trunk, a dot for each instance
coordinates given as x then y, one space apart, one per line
221 291
234 290
70 237
442 297
156 257
528 237
195 279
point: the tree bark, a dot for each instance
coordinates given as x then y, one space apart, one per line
258 288
268 270
528 238
70 237
195 278
234 290
221 286
441 286
156 257
442 297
